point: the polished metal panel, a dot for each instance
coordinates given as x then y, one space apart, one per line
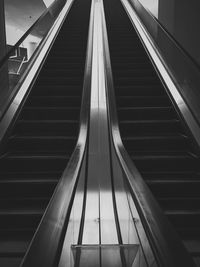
18 93
72 233
181 20
108 234
99 226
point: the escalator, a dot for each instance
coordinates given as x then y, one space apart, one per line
152 131
42 138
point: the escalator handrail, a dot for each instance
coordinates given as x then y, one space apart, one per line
166 245
37 22
46 245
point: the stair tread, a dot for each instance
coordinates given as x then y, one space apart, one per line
156 137
169 181
160 156
150 121
142 97
43 137
51 108
157 108
182 212
54 97
29 181
35 155
47 121
21 212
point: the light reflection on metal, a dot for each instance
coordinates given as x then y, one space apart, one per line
72 235
107 235
184 109
26 83
99 225
74 224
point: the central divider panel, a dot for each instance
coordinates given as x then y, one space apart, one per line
99 225
102 228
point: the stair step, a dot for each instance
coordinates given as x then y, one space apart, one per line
143 80
139 113
30 162
22 219
56 90
47 127
162 142
139 90
54 101
138 63
182 175
163 161
150 126
185 218
175 188
143 101
23 188
22 202
178 202
46 113
42 143
49 73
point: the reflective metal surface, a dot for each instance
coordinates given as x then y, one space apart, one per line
108 234
179 66
19 56
16 94
102 229
180 19
99 226
20 16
